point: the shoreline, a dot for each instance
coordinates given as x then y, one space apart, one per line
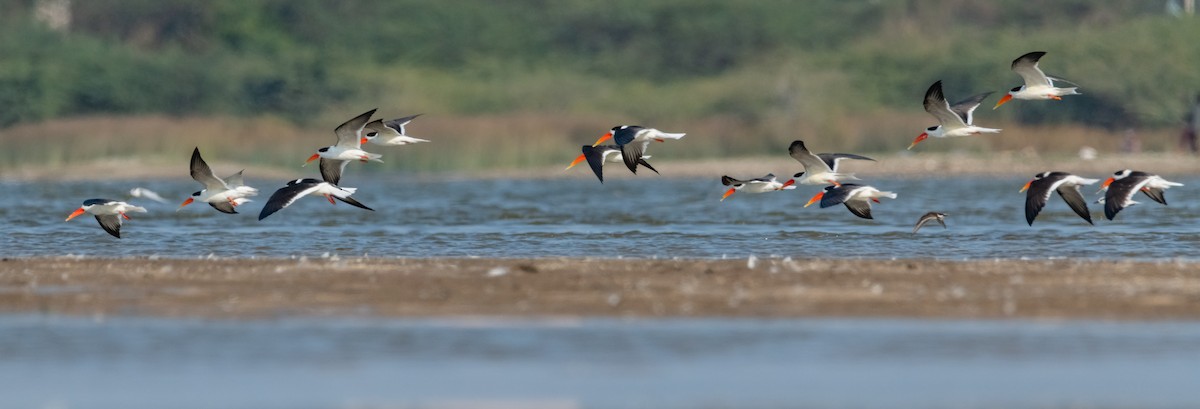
902 165
587 287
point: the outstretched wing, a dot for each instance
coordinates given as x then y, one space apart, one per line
936 105
287 195
203 174
398 124
111 224
965 108
331 170
811 163
1027 67
860 208
832 159
1071 195
349 133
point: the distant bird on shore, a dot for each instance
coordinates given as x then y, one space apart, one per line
222 194
953 120
141 192
820 168
597 156
108 212
928 217
348 148
857 198
757 185
633 140
1067 185
1037 84
390 133
1126 183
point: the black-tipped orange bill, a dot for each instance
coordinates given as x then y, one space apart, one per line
312 158
606 137
1026 187
1002 101
814 199
921 137
727 193
578 159
75 214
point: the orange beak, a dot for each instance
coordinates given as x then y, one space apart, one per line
1002 101
186 202
77 212
727 193
606 137
578 159
1107 182
788 183
1026 187
312 158
363 141
814 199
921 137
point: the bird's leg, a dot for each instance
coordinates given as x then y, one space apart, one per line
125 216
1056 97
330 197
834 182
232 202
875 200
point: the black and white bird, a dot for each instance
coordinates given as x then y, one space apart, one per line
953 120
597 156
225 195
108 212
633 141
1126 183
348 148
1067 185
857 198
1037 84
298 188
757 185
820 168
390 133
930 217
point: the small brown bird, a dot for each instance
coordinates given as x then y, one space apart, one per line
939 217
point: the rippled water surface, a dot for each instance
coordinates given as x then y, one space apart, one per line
129 363
646 216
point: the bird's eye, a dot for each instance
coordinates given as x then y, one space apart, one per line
931 129
801 174
1017 89
325 149
372 134
196 194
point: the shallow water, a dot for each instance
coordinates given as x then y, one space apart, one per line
644 216
60 362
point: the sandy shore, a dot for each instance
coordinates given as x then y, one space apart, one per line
1000 164
602 287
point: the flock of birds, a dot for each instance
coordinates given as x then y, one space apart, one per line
630 143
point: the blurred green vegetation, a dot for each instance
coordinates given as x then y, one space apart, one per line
742 76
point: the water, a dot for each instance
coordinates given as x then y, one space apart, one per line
641 217
59 362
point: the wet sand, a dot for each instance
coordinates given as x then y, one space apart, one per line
237 289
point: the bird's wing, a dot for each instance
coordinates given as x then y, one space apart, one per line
350 201
1027 67
223 207
1120 194
349 133
811 163
203 174
728 181
860 208
965 108
235 179
595 159
1071 195
936 105
398 124
832 159
111 224
331 170
287 195
1039 193
631 153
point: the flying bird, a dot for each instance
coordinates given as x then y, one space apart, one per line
390 133
857 198
597 156
225 195
1067 186
298 188
1125 183
820 168
757 185
108 213
633 141
953 120
141 192
348 148
1037 84
928 217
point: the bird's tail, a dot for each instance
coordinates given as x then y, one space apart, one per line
988 130
374 157
1069 91
346 191
405 140
665 135
888 195
241 201
246 190
137 209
